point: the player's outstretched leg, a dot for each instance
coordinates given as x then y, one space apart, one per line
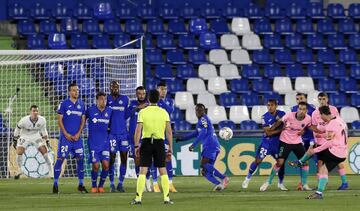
218 174
342 173
57 171
208 173
252 169
123 156
274 171
112 172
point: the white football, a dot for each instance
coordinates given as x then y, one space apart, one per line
226 133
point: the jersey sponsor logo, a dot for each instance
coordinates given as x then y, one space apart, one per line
105 153
119 108
95 120
79 151
68 112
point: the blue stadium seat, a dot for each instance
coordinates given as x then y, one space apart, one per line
326 56
336 41
17 11
326 26
148 41
134 27
283 56
198 26
47 27
177 115
315 10
69 26
338 99
188 11
91 27
103 11
164 71
36 42
146 11
125 11
101 41
251 71
355 71
253 11
315 41
272 41
197 56
355 125
294 70
273 95
294 41
57 41
177 26
186 71
354 11
355 100
305 26
250 99
327 85
347 26
79 41
295 11
148 72
274 11
40 12
354 41
239 86
155 26
167 12
209 11
182 125
304 56
151 83
208 41
154 56
348 56
261 86
231 11
219 26
82 11
336 11
337 71
228 99
272 70
61 11
348 85
165 41
53 72
112 27
175 85
262 26
316 71
175 57
121 39
261 56
283 26
249 125
26 27
227 123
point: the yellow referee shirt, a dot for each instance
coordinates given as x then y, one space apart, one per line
154 121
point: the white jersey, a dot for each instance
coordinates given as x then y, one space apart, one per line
28 129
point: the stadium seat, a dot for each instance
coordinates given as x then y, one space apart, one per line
274 96
253 11
348 56
326 26
294 41
304 56
283 56
154 56
175 57
207 71
354 41
327 85
121 39
208 41
187 41
35 42
315 41
239 86
240 26
125 11
61 11
101 41
305 26
249 125
228 99
284 108
295 11
26 27
336 41
216 114
251 42
354 11
257 112
218 57
174 85
272 70
79 41
355 71
290 99
231 11
337 71
69 26
251 71
217 85
338 99
177 26
304 84
349 114
274 11
227 123
198 26
164 71
312 98
355 100
168 12
81 11
151 83
155 26
91 27
272 41
347 26
261 85
230 42
195 86
336 11
197 56
103 11
209 11
17 12
349 85
219 26
188 11
229 71
148 39
250 99
262 26
184 100
207 99
315 10
177 115
112 27
293 71
283 26
190 115
326 56
182 125
282 85
146 11
165 41
355 125
239 113
57 41
261 56
40 12
47 27
134 27
185 71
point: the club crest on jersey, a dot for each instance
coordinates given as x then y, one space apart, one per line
120 102
106 114
78 106
38 125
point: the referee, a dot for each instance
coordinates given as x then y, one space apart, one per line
152 123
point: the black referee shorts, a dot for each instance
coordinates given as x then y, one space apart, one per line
330 160
286 149
152 150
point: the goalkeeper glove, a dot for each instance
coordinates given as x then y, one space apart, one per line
48 143
15 140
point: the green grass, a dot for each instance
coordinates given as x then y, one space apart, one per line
194 194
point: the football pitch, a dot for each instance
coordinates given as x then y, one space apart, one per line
194 194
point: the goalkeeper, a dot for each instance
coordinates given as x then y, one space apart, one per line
31 130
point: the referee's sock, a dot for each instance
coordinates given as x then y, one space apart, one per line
140 186
165 186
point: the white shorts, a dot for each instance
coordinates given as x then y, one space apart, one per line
26 141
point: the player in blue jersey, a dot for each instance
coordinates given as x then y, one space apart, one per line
118 133
71 120
307 137
205 133
269 143
99 147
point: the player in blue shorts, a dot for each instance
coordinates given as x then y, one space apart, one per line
71 120
98 141
269 144
118 133
210 148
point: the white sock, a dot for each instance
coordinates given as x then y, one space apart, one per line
170 181
48 162
19 160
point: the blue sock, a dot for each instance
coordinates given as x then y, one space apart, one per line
154 173
80 170
252 169
137 170
218 174
209 173
111 174
148 173
57 171
122 173
169 169
94 176
281 174
103 176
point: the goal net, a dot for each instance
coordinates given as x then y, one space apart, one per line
41 77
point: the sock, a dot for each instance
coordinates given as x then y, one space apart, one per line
148 173
281 174
154 174
137 170
94 176
323 179
57 171
80 170
165 186
122 173
209 173
252 169
48 162
305 158
103 175
140 184
304 174
111 174
342 175
169 169
19 161
273 173
218 174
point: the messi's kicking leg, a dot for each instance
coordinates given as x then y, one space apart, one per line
341 169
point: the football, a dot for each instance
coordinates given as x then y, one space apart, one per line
34 165
226 133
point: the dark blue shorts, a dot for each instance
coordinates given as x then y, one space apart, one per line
268 148
97 155
74 148
119 143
